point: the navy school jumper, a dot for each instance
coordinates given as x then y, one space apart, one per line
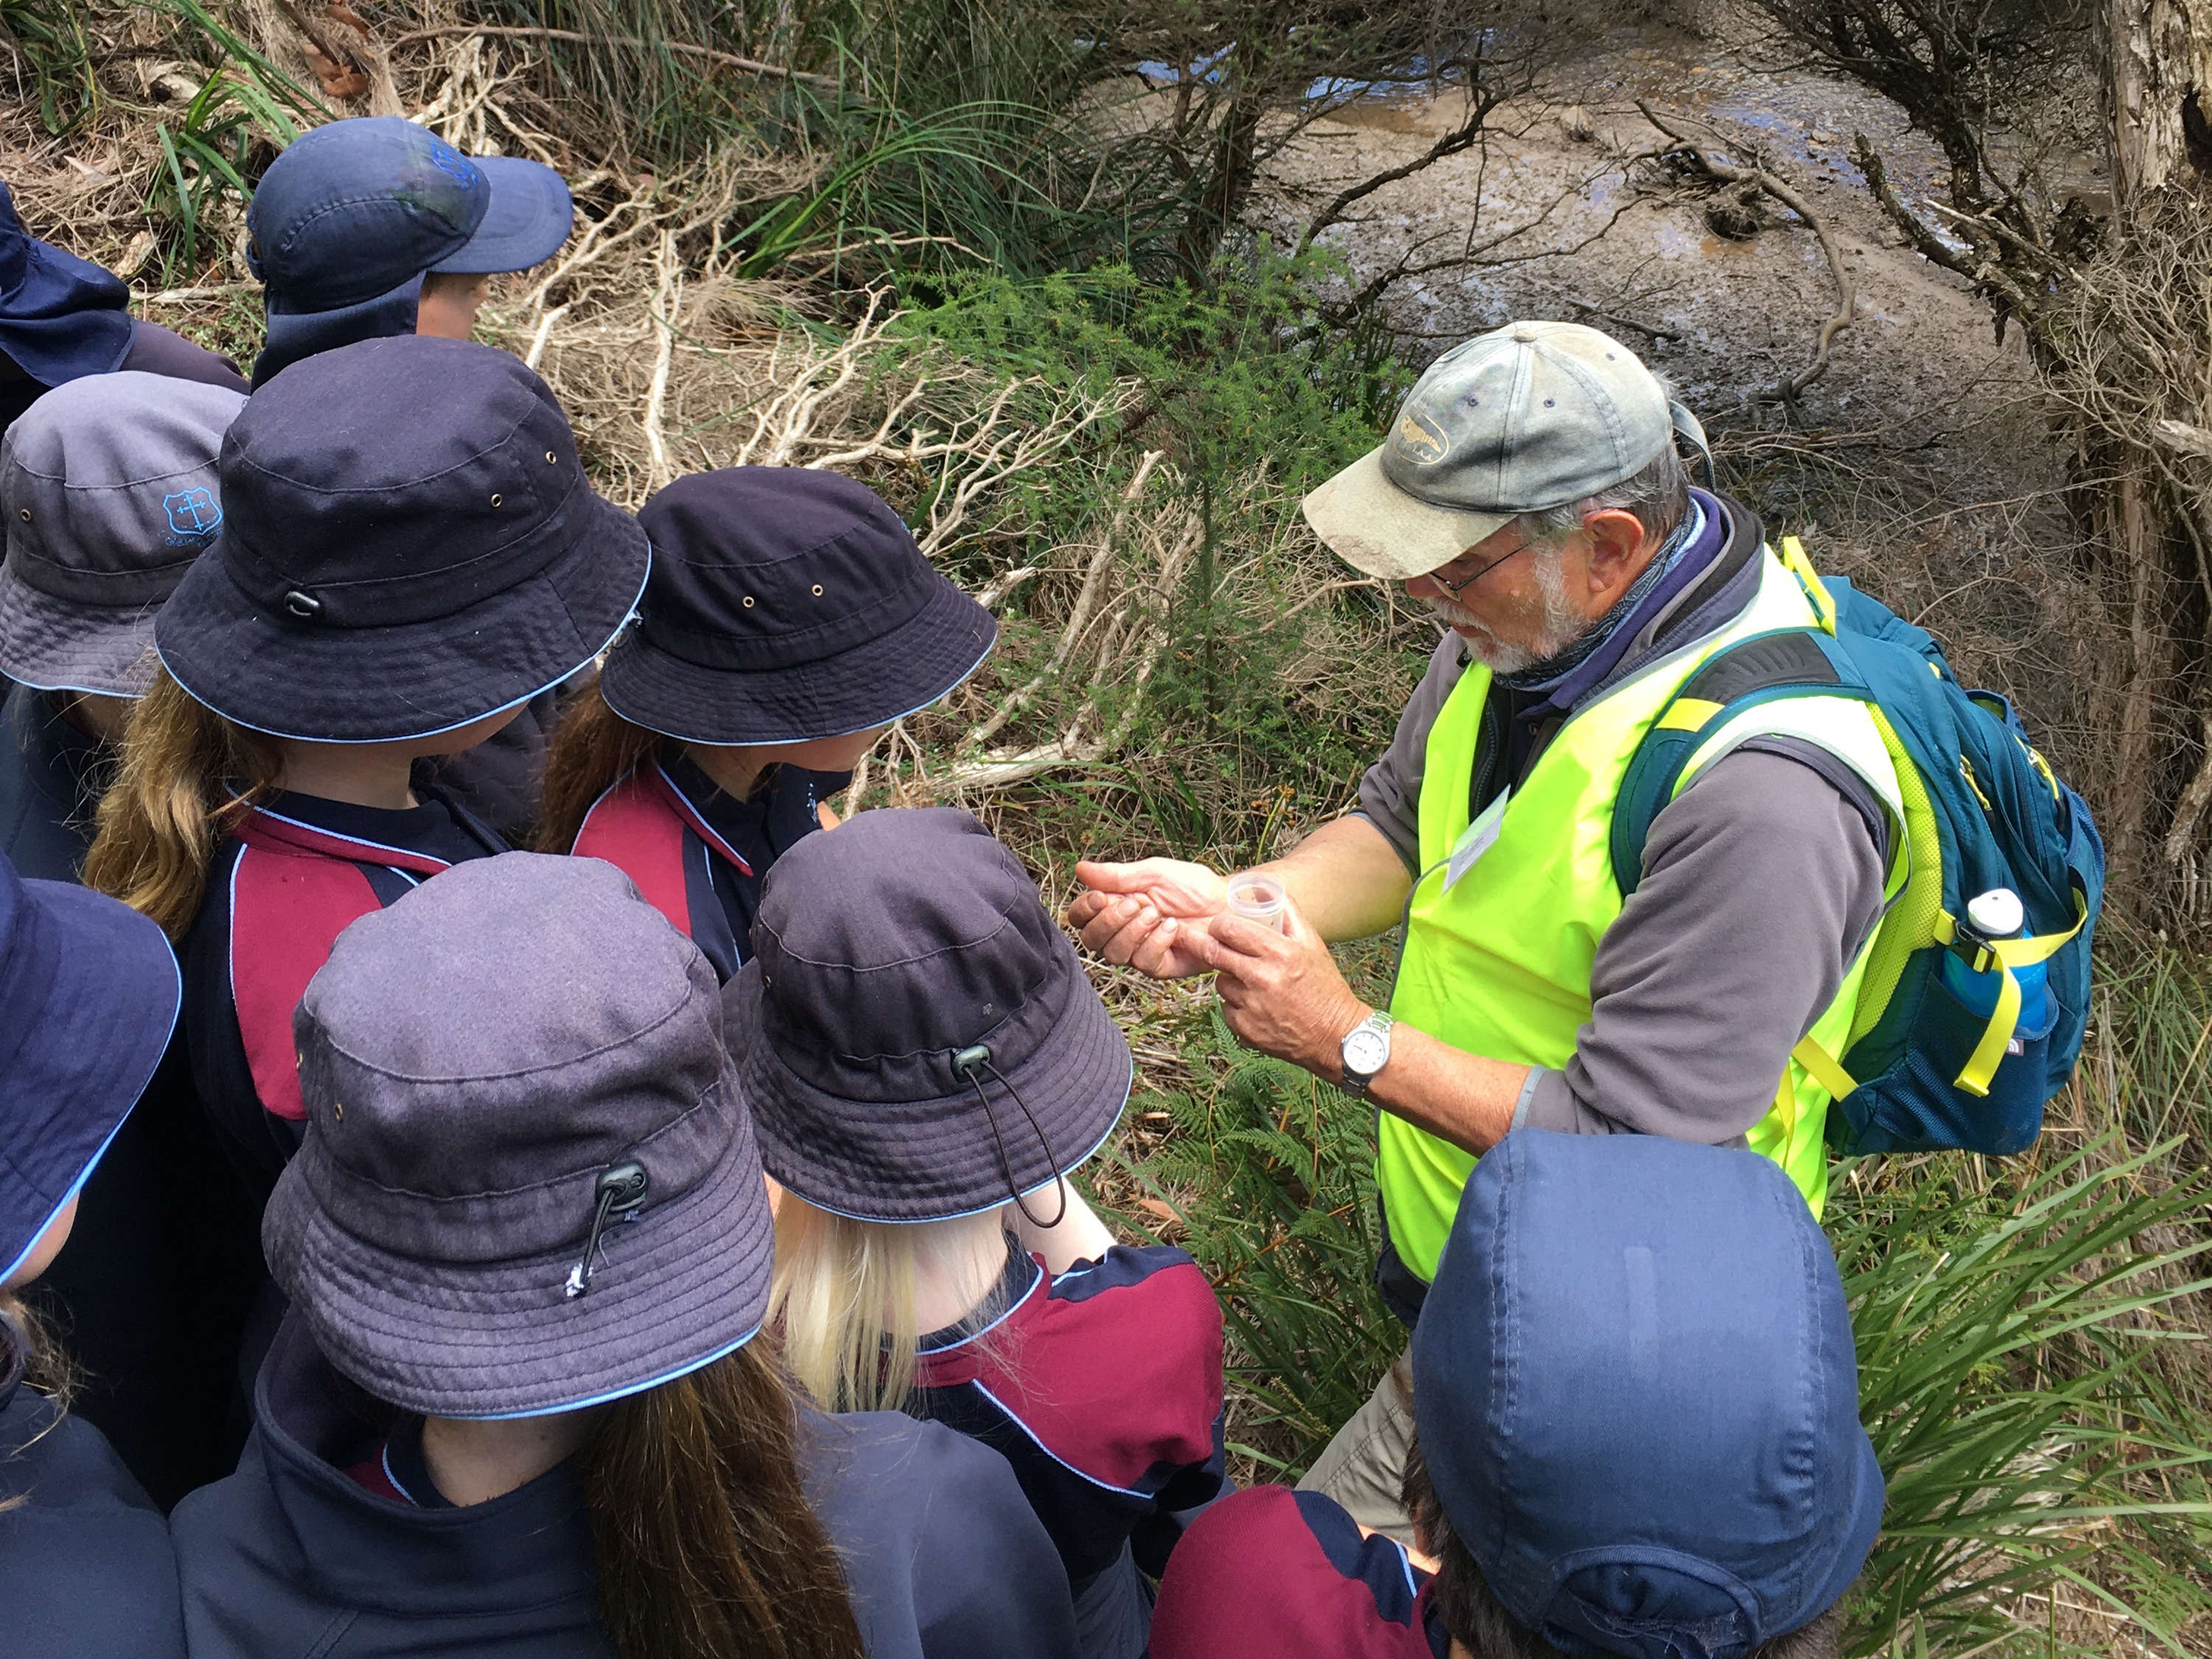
699 855
85 1567
150 1301
294 1556
1275 1574
1102 1387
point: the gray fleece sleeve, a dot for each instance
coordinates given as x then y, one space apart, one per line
1390 793
1761 882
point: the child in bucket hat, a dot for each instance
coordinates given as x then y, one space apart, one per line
90 994
520 1404
927 1063
1637 1433
108 493
409 554
788 619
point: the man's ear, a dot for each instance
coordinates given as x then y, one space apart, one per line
1618 551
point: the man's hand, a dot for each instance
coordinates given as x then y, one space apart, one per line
1281 992
1148 916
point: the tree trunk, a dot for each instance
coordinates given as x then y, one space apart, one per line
2143 382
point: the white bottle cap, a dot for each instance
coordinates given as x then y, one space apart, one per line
1996 913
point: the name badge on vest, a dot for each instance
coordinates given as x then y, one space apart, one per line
1479 838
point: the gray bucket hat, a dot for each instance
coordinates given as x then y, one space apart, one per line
529 1182
915 1034
108 492
1524 419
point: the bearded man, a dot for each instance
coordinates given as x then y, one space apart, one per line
1530 492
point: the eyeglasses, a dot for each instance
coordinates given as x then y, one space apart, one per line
1455 588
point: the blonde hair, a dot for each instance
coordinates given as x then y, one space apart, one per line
594 748
843 1296
186 777
25 1342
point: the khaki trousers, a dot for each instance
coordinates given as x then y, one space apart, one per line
1363 1466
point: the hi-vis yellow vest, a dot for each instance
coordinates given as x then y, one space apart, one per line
1498 963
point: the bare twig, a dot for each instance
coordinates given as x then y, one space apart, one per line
1657 331
1788 389
344 54
727 59
1463 136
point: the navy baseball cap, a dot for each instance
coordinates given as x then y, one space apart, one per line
91 990
1637 1397
356 208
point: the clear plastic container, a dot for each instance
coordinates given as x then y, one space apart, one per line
1258 898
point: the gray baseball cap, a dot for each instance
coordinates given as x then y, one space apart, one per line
108 492
1525 418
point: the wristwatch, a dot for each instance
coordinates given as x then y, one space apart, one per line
1366 1051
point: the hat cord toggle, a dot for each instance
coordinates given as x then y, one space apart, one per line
619 1190
967 1063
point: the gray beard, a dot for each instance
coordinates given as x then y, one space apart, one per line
1561 626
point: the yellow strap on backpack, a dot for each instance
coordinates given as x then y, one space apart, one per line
2007 954
1824 603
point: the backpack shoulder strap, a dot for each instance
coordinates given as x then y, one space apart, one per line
1785 662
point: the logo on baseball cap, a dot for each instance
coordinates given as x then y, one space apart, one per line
1525 418
358 208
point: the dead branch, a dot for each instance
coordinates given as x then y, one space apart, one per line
1657 331
1086 601
727 59
351 72
1788 389
1464 136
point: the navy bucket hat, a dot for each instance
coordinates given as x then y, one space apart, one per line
786 604
107 494
1637 1394
60 317
914 1034
529 1182
90 990
409 545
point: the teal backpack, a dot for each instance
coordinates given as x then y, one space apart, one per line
1937 1057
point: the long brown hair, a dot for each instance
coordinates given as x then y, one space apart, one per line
593 748
186 776
706 1547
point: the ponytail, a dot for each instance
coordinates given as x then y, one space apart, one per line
171 798
706 1547
593 748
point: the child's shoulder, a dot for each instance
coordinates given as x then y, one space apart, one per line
1288 1574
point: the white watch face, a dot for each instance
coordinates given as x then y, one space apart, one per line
1366 1051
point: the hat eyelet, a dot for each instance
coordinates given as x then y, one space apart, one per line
304 606
817 590
494 499
550 459
24 513
337 1111
749 601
